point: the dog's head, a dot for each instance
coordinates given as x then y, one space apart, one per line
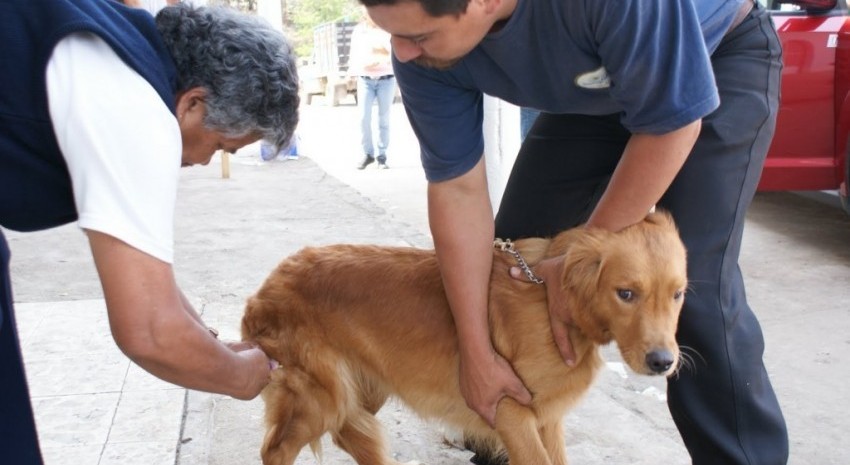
629 287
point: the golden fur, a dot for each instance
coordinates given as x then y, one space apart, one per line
352 325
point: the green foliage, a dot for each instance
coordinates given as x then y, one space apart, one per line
303 15
242 5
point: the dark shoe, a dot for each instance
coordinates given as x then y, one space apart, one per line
382 166
366 162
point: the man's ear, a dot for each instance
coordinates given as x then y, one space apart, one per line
190 100
490 6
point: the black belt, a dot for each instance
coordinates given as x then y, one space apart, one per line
377 78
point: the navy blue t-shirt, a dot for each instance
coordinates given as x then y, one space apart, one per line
648 60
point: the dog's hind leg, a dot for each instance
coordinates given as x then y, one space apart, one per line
294 419
552 436
362 437
285 436
516 425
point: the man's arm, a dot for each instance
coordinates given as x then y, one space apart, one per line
461 220
152 327
646 170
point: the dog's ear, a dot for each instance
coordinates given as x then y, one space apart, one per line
665 226
660 217
583 265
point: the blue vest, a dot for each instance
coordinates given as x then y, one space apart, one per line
35 187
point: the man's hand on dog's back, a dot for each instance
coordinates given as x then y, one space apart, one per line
486 379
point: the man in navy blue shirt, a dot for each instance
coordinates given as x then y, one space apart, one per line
645 102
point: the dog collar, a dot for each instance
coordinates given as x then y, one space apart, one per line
508 246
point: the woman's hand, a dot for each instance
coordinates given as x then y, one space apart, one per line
258 364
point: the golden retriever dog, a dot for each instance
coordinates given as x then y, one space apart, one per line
352 325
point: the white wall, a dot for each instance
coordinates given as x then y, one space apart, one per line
270 10
501 144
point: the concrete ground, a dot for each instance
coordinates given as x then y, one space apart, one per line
94 407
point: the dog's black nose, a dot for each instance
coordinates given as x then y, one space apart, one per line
659 361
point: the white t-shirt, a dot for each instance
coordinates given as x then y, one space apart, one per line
371 51
120 141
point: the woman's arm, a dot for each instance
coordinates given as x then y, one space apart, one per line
152 326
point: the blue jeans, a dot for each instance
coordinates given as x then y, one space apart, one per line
369 90
527 117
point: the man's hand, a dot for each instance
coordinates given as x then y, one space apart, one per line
551 270
483 383
461 220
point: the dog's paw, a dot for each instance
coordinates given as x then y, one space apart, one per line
453 438
413 462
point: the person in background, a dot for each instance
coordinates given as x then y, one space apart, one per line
527 117
643 102
370 61
102 107
269 152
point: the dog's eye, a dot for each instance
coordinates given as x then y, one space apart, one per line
678 295
626 295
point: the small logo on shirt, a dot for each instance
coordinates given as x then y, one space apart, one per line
596 79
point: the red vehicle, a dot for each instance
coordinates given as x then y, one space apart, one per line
809 150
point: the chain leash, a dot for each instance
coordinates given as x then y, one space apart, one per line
508 246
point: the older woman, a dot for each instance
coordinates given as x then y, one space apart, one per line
100 106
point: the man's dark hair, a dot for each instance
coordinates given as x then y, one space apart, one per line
432 7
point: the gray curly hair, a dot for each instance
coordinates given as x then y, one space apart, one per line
247 67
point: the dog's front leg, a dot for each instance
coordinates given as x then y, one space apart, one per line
517 426
552 435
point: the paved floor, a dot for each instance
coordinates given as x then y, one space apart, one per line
94 407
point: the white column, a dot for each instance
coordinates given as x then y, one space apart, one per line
501 144
270 10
